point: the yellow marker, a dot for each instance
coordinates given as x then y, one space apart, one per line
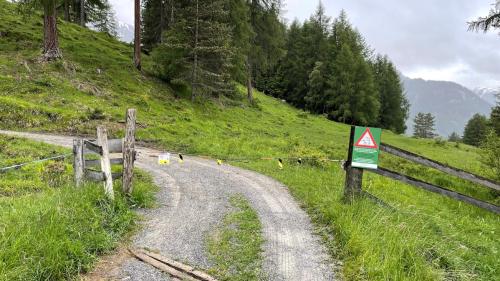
219 162
280 163
164 159
181 159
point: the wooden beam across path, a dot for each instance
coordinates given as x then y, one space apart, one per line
114 145
440 166
436 189
97 163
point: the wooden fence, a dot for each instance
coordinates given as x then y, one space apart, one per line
100 169
354 177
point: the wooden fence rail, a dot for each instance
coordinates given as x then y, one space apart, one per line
440 166
436 189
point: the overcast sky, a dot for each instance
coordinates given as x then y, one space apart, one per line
426 38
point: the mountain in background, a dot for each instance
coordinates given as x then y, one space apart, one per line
451 103
488 94
125 32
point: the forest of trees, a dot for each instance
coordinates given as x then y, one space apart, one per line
322 65
206 47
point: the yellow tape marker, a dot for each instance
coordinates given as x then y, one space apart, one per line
280 163
219 162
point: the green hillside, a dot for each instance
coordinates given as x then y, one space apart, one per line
425 236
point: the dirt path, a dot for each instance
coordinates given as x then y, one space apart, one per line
193 199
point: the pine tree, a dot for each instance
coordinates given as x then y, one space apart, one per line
454 137
424 126
266 43
394 106
495 118
476 130
315 98
352 97
104 19
157 17
239 20
197 52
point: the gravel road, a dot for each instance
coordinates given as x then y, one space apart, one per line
193 199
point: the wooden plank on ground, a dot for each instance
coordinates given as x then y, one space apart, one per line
179 266
161 266
440 166
436 189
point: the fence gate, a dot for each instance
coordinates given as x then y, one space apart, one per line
100 169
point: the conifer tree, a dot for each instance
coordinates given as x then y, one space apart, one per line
157 17
495 118
316 98
197 52
476 130
266 41
454 137
352 95
424 126
394 106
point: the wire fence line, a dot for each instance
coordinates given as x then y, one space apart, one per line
18 166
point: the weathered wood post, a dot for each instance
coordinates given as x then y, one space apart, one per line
129 152
354 176
78 162
102 140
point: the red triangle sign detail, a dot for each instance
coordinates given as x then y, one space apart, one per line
366 140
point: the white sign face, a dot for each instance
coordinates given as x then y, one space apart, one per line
164 159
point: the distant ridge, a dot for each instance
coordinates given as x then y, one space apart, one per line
451 103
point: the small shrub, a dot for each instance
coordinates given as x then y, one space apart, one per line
96 114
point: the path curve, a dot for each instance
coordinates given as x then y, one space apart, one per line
193 199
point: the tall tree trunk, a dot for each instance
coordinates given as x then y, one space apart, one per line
137 41
195 63
249 81
50 42
172 12
66 10
82 13
162 19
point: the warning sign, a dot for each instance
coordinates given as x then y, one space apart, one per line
366 140
366 149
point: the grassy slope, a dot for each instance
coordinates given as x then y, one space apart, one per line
48 229
429 237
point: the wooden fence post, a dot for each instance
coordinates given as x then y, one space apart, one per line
102 140
354 176
78 162
129 152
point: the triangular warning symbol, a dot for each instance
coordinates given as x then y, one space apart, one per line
366 140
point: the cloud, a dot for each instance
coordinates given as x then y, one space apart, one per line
124 10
